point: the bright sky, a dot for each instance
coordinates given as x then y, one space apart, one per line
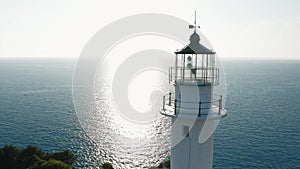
236 28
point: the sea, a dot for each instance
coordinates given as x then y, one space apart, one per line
261 130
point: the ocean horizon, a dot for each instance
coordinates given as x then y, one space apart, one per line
260 131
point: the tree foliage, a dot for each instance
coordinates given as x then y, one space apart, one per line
107 165
165 164
65 156
9 157
31 157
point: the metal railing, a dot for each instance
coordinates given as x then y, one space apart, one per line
200 75
200 106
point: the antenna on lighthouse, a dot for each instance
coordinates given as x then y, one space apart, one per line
195 23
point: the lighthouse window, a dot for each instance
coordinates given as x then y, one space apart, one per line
186 131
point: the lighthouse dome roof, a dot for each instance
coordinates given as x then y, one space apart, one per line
195 47
195 38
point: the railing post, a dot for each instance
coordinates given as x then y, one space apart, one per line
220 104
176 66
170 74
199 113
164 103
170 99
175 107
183 74
218 76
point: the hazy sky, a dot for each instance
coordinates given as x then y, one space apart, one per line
236 28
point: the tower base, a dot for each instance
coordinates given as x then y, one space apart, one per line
192 144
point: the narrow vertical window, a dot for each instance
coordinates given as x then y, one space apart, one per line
185 131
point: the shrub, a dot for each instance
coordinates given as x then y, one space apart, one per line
165 164
27 156
9 156
32 157
107 166
65 156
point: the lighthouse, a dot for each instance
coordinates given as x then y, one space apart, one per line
194 108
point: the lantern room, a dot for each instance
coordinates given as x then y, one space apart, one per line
195 64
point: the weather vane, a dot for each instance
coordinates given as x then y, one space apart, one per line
195 23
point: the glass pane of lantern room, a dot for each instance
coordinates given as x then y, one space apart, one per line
179 60
178 66
188 66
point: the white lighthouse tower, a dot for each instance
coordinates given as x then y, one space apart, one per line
194 109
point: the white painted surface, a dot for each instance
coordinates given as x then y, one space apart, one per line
189 98
189 152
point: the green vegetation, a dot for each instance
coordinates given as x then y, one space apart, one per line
49 164
32 157
163 165
107 166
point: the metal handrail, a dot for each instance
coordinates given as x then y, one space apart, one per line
204 75
175 104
